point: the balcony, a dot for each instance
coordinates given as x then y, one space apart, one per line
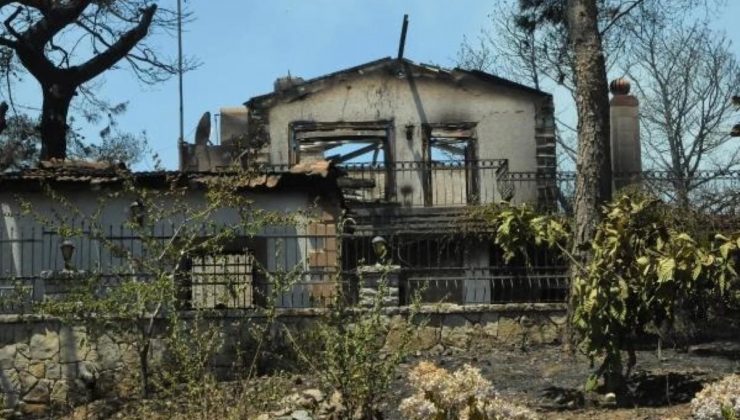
439 183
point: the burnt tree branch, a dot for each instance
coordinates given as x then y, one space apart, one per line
117 51
32 38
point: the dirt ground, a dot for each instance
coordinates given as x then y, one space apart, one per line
550 381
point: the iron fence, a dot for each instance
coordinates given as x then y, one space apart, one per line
487 285
234 275
288 271
317 262
459 268
711 192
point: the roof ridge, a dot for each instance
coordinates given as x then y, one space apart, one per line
481 75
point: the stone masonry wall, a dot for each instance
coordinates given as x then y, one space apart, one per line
44 364
47 365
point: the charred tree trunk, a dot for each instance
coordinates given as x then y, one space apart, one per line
53 128
593 165
59 82
593 180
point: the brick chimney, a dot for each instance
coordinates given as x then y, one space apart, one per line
625 135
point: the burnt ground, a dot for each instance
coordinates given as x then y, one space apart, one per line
551 381
544 378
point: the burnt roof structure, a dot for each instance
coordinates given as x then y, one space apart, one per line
318 176
299 87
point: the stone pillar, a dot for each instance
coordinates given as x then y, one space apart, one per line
625 135
57 284
372 280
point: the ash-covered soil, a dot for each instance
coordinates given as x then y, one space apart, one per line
551 381
544 378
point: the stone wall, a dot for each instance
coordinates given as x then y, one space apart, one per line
457 327
45 364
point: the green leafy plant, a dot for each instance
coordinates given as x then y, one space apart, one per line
641 271
356 351
515 228
644 266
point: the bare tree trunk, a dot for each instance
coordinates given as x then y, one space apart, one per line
59 82
53 129
593 182
593 179
681 186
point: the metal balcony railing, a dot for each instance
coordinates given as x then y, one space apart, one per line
437 183
711 192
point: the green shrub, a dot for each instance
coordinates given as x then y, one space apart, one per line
642 269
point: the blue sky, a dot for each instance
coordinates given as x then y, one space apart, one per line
245 44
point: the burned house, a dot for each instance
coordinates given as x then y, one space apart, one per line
418 145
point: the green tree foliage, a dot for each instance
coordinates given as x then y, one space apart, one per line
515 228
643 269
647 263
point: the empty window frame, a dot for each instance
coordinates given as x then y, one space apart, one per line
360 147
450 157
341 142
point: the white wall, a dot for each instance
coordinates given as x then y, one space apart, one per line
27 245
505 117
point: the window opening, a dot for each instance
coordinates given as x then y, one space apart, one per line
361 148
451 176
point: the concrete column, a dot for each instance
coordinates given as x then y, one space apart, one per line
625 135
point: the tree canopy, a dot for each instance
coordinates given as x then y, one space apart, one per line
66 45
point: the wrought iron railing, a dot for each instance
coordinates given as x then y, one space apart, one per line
441 266
307 274
456 183
437 183
485 285
712 192
464 270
